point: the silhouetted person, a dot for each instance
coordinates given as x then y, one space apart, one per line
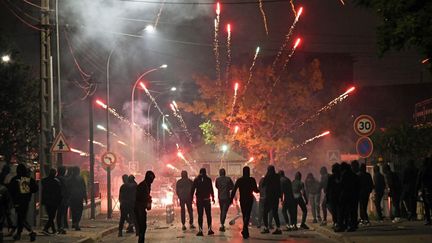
4 173
132 193
143 204
313 190
348 202
262 199
323 184
301 200
183 191
288 203
127 202
65 197
366 187
78 196
394 186
379 188
424 185
409 193
51 198
353 217
204 192
334 192
247 186
5 207
224 185
273 195
21 188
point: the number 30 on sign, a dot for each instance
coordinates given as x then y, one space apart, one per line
364 125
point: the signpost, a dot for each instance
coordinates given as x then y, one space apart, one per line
364 125
364 147
333 156
108 160
60 145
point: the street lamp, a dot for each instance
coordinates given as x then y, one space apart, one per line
150 29
133 106
5 59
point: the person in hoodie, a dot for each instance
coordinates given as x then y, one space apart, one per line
333 193
21 188
247 186
63 206
132 194
224 185
409 194
301 200
78 196
366 187
313 189
394 187
273 194
143 203
203 187
323 184
379 188
348 200
5 207
183 191
288 203
127 200
51 198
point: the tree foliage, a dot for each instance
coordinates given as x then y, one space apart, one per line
19 108
403 24
263 116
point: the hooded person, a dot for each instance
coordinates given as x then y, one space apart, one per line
409 194
313 189
63 206
203 189
288 200
21 188
348 200
224 184
143 203
394 186
323 184
379 188
301 200
5 207
366 187
78 196
127 201
273 194
333 192
51 198
183 191
246 186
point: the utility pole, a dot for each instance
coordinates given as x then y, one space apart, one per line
92 156
59 108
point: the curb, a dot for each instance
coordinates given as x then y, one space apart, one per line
330 234
98 236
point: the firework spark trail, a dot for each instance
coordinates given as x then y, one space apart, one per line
172 167
261 7
236 86
177 114
216 42
327 107
251 68
228 64
309 140
342 1
287 37
151 98
181 156
287 61
293 7
159 14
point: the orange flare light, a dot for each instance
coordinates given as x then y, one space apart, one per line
218 9
236 129
299 12
236 86
297 43
100 103
229 28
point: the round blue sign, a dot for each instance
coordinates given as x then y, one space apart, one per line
364 147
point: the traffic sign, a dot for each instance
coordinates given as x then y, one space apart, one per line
109 159
364 147
364 125
333 156
60 145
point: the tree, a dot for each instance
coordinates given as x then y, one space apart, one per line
262 113
403 24
19 108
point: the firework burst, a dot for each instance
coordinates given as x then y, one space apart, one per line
261 7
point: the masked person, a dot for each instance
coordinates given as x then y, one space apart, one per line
21 188
127 201
394 187
323 184
288 203
334 192
247 186
366 187
313 189
78 196
203 187
409 195
51 199
273 194
301 200
143 203
224 184
379 188
183 191
63 206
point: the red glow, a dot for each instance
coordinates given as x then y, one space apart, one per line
100 103
236 129
180 155
229 28
425 60
299 12
218 8
236 86
297 43
251 159
325 133
143 86
172 107
350 90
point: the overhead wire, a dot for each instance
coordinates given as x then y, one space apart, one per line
20 18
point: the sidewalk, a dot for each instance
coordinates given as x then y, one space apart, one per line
91 231
406 231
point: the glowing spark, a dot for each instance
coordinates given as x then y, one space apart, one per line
98 143
236 86
287 37
122 143
293 7
175 104
261 7
286 62
177 114
172 167
425 60
218 10
99 102
216 42
228 65
309 140
303 159
251 68
297 43
81 153
159 14
172 107
151 98
342 1
251 159
236 129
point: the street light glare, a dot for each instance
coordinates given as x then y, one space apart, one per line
173 88
224 148
150 28
164 126
100 127
163 66
5 58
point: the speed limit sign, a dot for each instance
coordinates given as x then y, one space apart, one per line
364 125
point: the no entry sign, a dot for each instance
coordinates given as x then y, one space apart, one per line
364 147
364 125
109 159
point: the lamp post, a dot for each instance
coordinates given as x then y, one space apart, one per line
133 106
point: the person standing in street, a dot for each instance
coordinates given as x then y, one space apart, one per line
409 194
247 186
143 203
323 186
21 188
51 199
366 187
333 193
394 187
301 200
5 207
288 203
183 191
62 208
273 195
379 188
78 196
224 185
127 200
313 190
203 187
424 185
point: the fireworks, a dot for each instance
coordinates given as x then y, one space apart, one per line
216 41
342 1
122 143
172 167
151 98
236 86
181 156
251 159
296 44
159 14
293 7
177 114
251 67
81 153
287 37
261 7
310 140
228 65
